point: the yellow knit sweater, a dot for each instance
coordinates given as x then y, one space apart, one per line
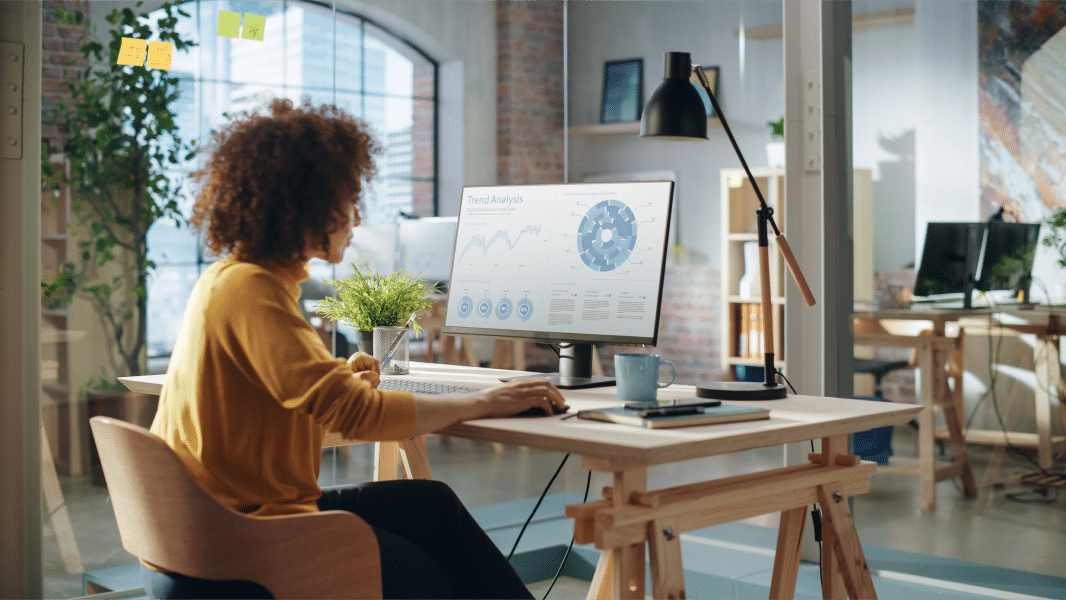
251 390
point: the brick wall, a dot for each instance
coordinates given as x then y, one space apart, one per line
422 132
60 53
529 99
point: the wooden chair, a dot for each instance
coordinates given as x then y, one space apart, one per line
167 518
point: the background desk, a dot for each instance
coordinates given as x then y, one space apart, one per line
632 516
934 351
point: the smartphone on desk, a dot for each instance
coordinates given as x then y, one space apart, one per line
678 404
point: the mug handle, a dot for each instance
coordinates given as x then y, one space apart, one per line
673 373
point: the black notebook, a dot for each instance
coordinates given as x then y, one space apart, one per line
663 418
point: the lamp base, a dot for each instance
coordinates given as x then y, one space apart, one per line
741 390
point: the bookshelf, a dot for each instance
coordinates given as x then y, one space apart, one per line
61 414
741 302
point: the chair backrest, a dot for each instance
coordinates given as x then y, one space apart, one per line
168 519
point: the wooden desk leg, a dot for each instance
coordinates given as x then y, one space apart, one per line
386 461
851 561
413 455
620 571
832 579
1048 377
926 423
664 548
787 557
57 509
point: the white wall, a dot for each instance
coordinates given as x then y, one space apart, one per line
604 31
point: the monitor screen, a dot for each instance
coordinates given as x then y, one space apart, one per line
1007 260
426 246
580 262
949 259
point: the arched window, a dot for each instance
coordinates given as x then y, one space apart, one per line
309 50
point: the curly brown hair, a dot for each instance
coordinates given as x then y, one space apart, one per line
272 180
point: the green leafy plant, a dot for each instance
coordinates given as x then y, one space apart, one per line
121 141
366 300
1056 237
777 128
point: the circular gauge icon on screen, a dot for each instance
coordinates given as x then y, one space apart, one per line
466 306
484 308
525 309
504 309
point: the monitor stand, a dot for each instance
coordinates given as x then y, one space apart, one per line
575 369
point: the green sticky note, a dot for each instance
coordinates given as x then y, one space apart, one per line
132 52
253 27
229 24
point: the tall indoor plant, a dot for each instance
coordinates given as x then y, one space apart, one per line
120 140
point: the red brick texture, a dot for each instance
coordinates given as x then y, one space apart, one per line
529 99
60 54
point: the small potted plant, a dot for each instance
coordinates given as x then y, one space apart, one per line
1056 237
775 149
366 300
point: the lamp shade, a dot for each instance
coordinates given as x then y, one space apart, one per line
675 110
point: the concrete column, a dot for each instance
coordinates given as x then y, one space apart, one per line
20 310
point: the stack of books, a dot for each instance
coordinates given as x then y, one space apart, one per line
750 331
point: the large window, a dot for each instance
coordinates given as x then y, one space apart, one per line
309 50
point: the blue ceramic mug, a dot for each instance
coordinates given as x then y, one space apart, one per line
637 376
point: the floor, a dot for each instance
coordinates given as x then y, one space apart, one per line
1008 525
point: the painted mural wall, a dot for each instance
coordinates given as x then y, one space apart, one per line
1022 95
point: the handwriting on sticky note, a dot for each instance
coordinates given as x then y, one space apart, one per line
229 24
159 55
132 51
253 27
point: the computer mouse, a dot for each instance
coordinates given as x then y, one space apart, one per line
537 411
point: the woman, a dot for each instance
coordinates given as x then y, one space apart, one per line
251 388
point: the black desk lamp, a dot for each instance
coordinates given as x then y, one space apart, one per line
675 112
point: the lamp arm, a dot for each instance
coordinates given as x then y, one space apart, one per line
786 252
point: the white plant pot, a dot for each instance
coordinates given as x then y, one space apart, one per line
775 154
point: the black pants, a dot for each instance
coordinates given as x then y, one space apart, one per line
430 547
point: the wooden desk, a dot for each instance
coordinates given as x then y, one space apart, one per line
632 516
934 351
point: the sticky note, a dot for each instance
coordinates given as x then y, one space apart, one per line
132 51
159 54
253 27
229 24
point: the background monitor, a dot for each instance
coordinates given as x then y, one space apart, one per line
950 258
425 247
574 264
1007 260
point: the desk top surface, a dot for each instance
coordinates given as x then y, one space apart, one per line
792 419
933 313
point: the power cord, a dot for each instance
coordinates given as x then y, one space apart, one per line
816 520
535 507
588 482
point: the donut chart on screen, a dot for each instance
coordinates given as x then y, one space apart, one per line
607 235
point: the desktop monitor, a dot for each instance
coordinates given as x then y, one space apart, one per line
574 264
426 246
949 260
1007 260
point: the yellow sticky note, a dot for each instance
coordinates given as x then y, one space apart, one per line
253 27
159 54
132 52
229 24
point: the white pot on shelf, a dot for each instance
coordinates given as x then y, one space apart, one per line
775 153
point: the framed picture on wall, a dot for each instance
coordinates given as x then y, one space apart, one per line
623 91
712 79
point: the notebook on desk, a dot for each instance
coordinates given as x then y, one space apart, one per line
666 419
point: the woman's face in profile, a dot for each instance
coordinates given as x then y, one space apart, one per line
339 239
